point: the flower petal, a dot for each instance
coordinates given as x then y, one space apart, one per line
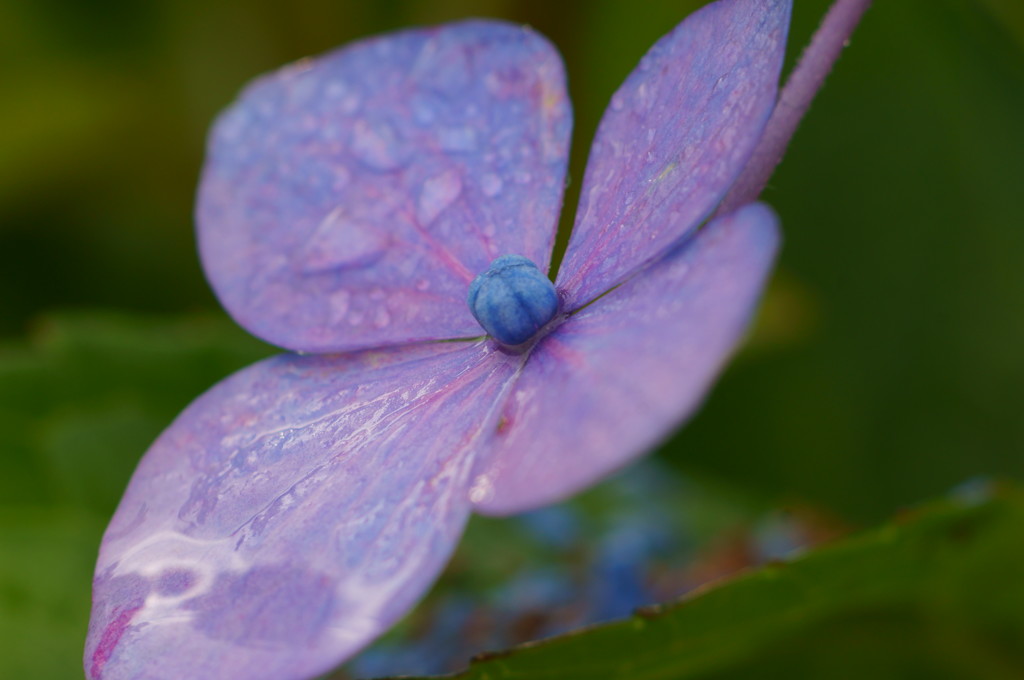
616 377
675 137
291 514
348 201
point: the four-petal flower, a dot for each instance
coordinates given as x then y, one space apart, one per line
300 507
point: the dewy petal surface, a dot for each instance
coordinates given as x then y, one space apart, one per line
616 377
348 201
675 136
291 514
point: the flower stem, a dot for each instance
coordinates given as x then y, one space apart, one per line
803 84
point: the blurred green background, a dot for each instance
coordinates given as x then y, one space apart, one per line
885 368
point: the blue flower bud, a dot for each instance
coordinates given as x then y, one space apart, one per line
512 300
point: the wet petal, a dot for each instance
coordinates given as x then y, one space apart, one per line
348 201
291 514
618 376
674 138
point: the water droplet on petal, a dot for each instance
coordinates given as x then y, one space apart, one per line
350 103
511 81
381 317
233 125
491 184
443 67
424 110
618 101
376 143
336 89
342 177
339 301
457 139
482 489
340 241
299 85
437 194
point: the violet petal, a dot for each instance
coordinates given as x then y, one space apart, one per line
674 138
797 94
348 201
619 375
292 513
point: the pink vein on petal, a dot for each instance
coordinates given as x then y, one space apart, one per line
111 636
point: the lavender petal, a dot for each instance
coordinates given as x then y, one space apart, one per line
348 201
291 514
794 100
618 376
676 135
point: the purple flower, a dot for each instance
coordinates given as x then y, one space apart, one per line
301 506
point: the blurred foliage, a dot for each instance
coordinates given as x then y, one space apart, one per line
90 392
46 561
885 367
936 595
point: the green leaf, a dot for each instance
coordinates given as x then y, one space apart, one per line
936 594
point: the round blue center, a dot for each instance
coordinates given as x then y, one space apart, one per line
512 300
